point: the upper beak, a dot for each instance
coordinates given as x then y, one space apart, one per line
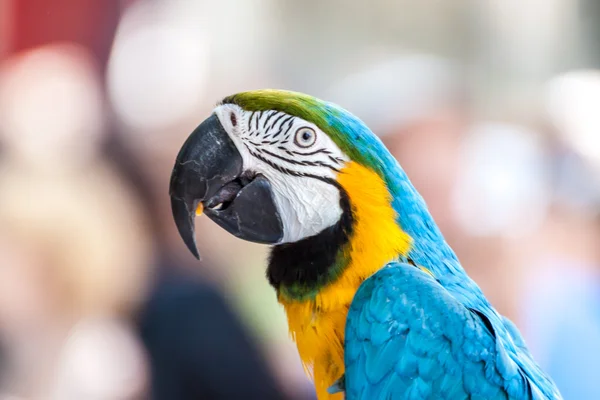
208 176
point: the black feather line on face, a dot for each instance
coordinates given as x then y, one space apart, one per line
271 115
309 263
281 127
287 133
324 151
257 120
335 161
301 162
289 153
289 121
250 120
277 120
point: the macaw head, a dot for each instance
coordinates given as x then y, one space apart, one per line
284 168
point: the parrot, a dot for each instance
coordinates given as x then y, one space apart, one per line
376 301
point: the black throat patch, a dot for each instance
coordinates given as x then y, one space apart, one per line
301 268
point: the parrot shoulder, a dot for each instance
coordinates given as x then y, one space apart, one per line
408 337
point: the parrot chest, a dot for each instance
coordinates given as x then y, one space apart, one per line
319 336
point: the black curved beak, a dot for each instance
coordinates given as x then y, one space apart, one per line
208 176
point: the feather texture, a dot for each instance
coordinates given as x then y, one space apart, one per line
407 337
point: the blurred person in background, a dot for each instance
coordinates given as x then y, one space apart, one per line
70 281
73 242
54 80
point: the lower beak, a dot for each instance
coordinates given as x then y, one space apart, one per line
208 176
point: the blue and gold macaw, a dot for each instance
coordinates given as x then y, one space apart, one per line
376 300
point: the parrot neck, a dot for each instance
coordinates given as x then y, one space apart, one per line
428 244
341 257
411 215
298 270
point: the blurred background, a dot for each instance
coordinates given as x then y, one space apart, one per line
492 107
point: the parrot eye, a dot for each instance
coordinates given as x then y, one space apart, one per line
305 137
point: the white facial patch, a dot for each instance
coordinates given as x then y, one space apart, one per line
298 159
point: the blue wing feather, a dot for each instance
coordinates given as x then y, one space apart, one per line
407 337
